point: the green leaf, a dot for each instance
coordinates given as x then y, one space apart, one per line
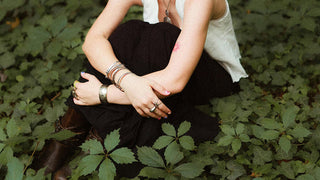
183 128
285 144
225 140
162 142
244 138
2 146
286 169
107 170
172 154
315 12
270 134
15 169
236 169
270 123
261 156
236 145
309 24
187 142
12 128
94 146
289 115
300 132
3 136
150 157
228 130
58 24
189 170
154 173
123 156
240 128
62 135
112 140
168 129
89 164
305 177
7 60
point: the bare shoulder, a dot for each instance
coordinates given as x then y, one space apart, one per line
128 2
216 8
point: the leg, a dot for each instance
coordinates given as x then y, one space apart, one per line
55 153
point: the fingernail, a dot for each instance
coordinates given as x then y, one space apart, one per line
169 112
166 117
167 92
82 72
159 118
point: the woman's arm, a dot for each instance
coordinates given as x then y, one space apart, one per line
101 56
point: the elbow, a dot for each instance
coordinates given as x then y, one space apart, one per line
177 87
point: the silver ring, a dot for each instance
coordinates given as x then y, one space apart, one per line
74 94
154 107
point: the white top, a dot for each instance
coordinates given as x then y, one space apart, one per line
221 43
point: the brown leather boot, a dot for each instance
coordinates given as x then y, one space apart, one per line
64 172
56 153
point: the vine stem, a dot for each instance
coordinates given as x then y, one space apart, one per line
24 170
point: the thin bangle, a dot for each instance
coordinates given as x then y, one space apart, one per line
120 79
115 72
103 94
111 67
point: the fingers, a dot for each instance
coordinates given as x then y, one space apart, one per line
157 87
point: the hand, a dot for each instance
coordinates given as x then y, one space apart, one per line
88 92
141 93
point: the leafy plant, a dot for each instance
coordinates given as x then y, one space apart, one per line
103 157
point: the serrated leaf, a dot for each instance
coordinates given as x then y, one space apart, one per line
285 144
168 129
123 156
6 155
112 140
305 177
228 130
270 123
94 146
151 172
189 170
270 134
225 140
58 24
7 60
3 136
12 128
162 142
236 145
62 135
236 169
150 157
89 164
107 170
244 138
300 132
261 156
289 115
187 142
15 169
315 12
172 154
286 169
183 128
240 128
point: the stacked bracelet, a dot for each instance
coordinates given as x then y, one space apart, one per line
103 94
115 68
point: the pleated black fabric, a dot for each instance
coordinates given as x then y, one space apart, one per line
145 48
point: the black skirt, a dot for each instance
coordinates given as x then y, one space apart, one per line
144 48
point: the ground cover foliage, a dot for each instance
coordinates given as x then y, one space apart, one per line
270 130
